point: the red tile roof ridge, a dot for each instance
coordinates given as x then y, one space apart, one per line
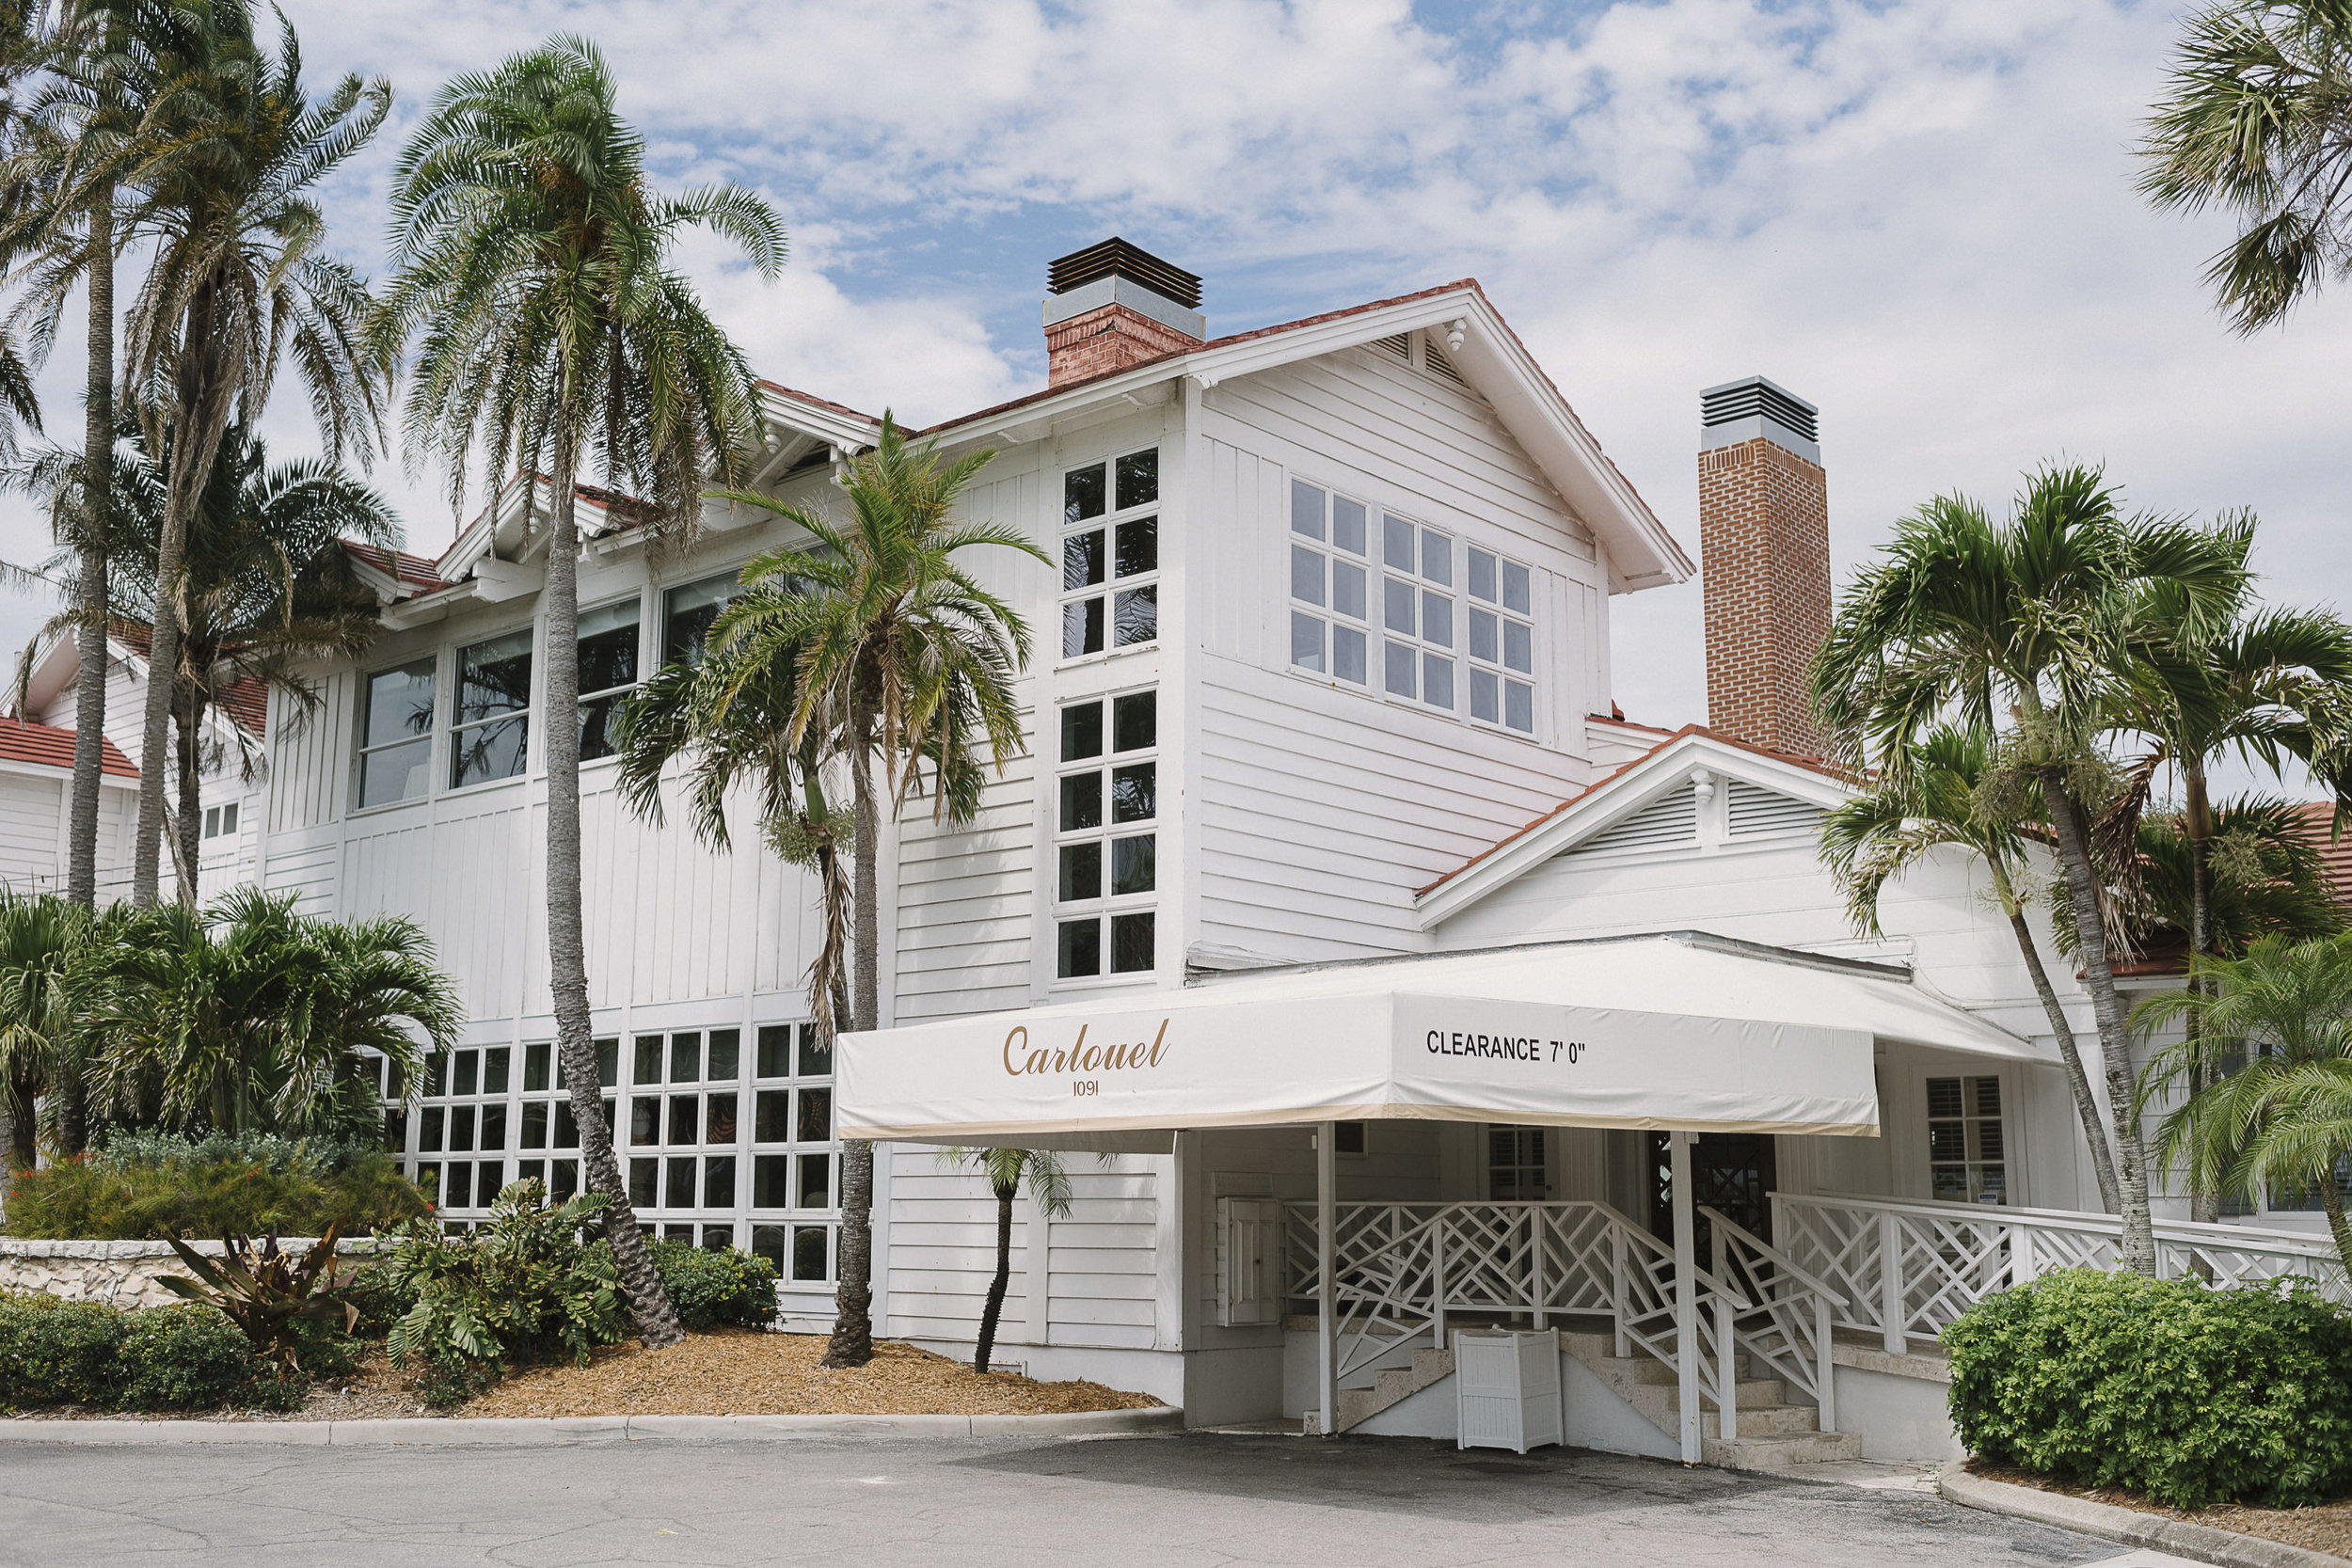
1813 765
49 746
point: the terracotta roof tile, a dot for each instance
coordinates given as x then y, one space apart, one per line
52 747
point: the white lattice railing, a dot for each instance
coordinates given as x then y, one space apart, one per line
1786 1324
1905 1270
1401 1269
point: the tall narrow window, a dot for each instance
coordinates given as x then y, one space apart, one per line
687 613
1418 636
1105 846
1968 1156
608 672
396 734
1516 1168
1110 555
1331 625
489 730
793 1189
1502 643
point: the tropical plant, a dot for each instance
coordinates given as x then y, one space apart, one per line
1004 1168
146 1185
534 258
247 1014
265 1292
238 280
2025 630
1938 801
2257 120
715 1286
41 939
2262 872
896 642
2269 1068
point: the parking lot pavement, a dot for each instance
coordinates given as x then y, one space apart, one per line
1139 1502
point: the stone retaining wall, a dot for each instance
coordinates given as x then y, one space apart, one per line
122 1273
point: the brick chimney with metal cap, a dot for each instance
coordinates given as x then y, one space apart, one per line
1111 305
1764 549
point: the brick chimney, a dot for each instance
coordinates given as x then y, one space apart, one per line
1764 549
1111 305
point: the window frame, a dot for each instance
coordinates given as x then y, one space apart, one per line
1332 555
657 655
614 692
1108 905
1422 589
1112 584
527 715
433 731
1476 664
2013 1159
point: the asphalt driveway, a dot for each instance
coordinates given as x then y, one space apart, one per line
1139 1502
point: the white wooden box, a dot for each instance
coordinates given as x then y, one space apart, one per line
1507 1389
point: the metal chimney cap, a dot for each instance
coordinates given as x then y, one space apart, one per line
1115 256
1753 407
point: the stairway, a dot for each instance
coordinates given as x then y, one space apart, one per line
1390 1385
1773 1434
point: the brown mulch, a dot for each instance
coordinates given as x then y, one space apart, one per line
2327 1528
743 1372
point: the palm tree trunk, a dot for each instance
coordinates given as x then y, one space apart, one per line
2115 1049
2204 1200
567 962
2331 1200
91 592
995 1307
188 830
2086 1104
852 1344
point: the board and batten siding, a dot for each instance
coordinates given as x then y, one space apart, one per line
1320 807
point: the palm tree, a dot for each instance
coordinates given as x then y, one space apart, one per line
1004 1168
2257 120
1938 801
2273 1051
2024 630
2259 873
41 939
897 644
534 258
246 1015
238 278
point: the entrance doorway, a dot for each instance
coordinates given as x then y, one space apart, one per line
1730 1172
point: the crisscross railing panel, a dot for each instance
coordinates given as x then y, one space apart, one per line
1787 1326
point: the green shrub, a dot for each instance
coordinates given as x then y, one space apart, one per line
180 1358
711 1288
2191 1395
208 1195
54 1352
524 1287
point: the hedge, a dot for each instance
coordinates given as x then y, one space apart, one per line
2190 1394
188 1358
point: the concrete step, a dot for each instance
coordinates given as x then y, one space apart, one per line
1390 1385
1780 1450
1766 1415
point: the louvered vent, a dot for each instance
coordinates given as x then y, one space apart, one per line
1669 823
1399 345
1759 812
1442 368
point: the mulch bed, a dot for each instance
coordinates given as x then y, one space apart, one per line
728 1371
2327 1528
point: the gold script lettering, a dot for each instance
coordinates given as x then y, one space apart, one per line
1019 1032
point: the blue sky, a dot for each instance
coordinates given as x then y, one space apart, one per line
1918 215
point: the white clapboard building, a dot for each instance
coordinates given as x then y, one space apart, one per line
1322 764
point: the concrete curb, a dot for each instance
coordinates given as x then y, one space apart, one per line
2203 1543
458 1432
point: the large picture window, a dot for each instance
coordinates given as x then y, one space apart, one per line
396 734
1106 842
608 672
489 730
687 613
1110 555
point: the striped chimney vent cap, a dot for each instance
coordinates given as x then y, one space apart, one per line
1743 410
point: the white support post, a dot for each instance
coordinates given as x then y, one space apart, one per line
1327 1270
1688 1353
1825 1367
1437 1280
1617 1289
1536 1240
1891 1284
2021 1259
1727 1389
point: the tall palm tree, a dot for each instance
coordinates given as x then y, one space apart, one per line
533 257
2273 1054
2257 120
2260 874
2024 630
1938 801
1004 1168
42 937
238 278
896 642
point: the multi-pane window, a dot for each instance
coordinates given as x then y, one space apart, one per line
608 672
1110 554
220 821
489 730
396 734
687 613
1516 1167
795 1161
684 1134
1502 641
1331 625
1967 1155
1418 634
1105 849
476 1116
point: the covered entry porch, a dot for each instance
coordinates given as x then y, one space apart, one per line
1324 1125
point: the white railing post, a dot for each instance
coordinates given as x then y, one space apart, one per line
1617 1286
1891 1314
2021 1259
1825 1367
1436 1275
1727 1339
1538 1239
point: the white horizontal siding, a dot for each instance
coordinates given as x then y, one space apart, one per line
968 901
32 818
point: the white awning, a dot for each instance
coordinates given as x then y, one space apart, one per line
1681 1031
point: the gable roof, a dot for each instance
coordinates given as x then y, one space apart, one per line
48 746
245 700
1617 795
